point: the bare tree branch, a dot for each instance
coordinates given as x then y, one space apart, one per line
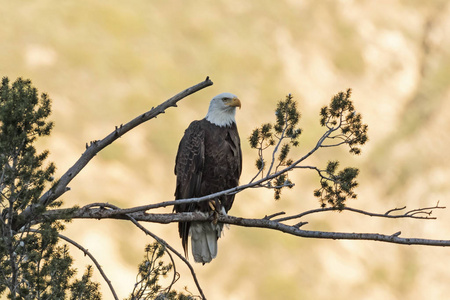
418 213
96 146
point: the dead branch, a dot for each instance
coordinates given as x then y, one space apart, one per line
96 146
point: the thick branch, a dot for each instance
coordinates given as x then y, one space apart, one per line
96 146
104 213
293 230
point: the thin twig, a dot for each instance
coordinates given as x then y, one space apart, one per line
175 273
394 209
257 174
268 217
280 140
385 215
333 145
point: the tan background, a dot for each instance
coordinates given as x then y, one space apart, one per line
105 62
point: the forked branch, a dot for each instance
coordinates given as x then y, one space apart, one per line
418 213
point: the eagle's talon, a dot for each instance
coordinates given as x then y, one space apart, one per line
212 205
215 217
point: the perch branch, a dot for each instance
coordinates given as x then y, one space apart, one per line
266 222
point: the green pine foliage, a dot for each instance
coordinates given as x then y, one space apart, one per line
33 264
281 135
151 270
23 115
85 289
336 187
340 116
343 127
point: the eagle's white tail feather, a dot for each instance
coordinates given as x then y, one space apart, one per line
204 237
204 241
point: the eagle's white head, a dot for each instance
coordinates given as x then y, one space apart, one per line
222 109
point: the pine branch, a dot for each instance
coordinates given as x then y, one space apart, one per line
86 252
342 123
168 246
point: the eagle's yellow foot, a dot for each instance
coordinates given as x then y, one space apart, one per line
212 205
214 211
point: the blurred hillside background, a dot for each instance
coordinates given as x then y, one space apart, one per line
105 62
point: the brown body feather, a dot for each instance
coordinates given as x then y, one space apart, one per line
209 160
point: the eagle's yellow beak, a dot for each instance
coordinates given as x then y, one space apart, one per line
235 102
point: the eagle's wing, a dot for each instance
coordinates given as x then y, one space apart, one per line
189 170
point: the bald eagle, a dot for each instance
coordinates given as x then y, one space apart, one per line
209 160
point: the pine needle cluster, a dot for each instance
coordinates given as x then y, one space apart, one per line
337 187
345 127
151 270
340 116
281 135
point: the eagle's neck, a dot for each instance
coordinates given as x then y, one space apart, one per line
221 117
